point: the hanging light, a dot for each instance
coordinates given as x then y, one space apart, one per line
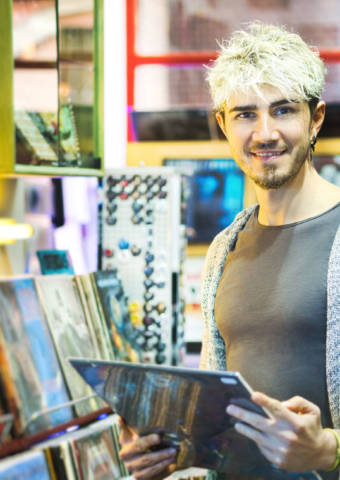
11 231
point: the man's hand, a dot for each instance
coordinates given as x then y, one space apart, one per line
293 439
140 460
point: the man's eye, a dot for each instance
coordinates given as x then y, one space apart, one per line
283 110
246 115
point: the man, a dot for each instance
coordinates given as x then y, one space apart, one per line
270 288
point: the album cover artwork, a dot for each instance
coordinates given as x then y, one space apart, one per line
88 453
28 466
114 305
95 316
60 461
33 381
97 457
69 331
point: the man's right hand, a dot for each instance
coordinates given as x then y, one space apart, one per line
142 462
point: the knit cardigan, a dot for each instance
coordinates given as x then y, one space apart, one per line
213 354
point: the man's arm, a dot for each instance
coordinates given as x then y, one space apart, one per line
293 439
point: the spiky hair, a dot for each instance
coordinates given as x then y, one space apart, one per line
266 54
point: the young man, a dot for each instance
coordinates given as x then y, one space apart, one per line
271 281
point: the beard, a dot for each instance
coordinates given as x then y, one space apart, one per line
272 178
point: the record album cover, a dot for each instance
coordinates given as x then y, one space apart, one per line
187 407
29 366
25 466
70 333
117 316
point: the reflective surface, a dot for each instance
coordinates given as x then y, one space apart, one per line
194 26
76 89
53 44
187 408
35 82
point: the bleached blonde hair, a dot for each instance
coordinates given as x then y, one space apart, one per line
266 54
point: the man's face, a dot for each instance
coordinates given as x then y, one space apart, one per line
269 136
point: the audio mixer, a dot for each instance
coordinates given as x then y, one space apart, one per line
143 237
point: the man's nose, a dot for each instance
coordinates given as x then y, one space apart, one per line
265 130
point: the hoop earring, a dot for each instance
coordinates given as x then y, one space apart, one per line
313 142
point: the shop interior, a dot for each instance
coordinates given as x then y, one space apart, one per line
114 179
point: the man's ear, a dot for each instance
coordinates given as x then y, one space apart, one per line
318 117
220 121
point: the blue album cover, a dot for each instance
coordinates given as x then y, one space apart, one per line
27 466
32 360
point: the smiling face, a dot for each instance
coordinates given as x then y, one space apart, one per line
269 136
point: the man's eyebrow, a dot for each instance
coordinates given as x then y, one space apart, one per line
246 108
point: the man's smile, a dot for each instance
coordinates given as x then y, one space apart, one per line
266 155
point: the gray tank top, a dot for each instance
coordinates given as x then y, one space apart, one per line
271 311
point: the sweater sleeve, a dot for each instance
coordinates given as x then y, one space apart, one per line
212 343
333 331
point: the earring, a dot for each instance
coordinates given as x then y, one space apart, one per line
313 142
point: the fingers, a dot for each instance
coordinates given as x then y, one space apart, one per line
126 434
138 446
251 418
275 407
152 464
262 440
301 405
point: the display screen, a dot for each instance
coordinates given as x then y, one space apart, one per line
213 195
172 125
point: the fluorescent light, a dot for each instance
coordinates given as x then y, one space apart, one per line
10 231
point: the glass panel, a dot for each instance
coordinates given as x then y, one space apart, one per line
76 93
159 87
35 57
179 25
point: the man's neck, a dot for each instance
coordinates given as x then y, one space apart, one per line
305 196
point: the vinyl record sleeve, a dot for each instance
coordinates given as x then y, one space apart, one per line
30 370
28 466
187 407
61 302
96 456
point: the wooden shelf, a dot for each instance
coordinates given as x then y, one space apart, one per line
19 444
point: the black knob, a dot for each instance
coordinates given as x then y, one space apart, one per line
161 346
148 283
148 296
135 250
111 220
111 181
137 206
110 195
111 208
136 219
161 182
160 358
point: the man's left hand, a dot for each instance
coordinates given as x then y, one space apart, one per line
293 439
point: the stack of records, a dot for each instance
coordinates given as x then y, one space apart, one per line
88 453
